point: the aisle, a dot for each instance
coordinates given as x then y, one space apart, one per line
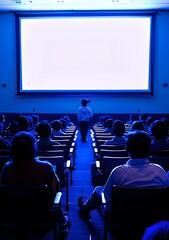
82 185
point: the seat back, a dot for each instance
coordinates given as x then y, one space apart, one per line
109 163
163 161
59 163
162 153
135 208
25 208
113 153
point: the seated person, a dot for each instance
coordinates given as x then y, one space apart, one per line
133 117
43 130
100 122
165 119
159 132
35 118
23 123
118 131
149 121
105 118
64 124
69 123
25 170
137 125
108 125
56 126
137 172
143 119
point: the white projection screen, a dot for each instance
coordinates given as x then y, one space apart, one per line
79 53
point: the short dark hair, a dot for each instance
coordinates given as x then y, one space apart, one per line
109 123
133 117
43 129
137 125
143 116
138 144
56 125
84 102
23 122
118 128
159 129
24 147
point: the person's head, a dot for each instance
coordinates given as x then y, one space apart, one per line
150 120
105 119
66 118
101 119
137 125
23 123
159 129
31 122
64 123
84 102
142 117
118 128
166 120
24 147
56 125
35 118
133 117
109 123
138 144
43 129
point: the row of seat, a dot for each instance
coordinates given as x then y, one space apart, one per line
62 157
107 157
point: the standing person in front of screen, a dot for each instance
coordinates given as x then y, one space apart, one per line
84 115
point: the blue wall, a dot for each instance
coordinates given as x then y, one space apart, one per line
10 102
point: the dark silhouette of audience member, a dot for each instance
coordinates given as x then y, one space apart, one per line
137 172
133 117
64 124
35 118
109 125
157 231
100 122
149 121
56 126
83 117
23 123
118 131
69 123
159 131
43 130
166 120
24 169
137 125
105 119
143 119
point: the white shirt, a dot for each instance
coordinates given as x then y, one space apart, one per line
84 114
136 173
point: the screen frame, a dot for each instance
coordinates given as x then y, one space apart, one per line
85 13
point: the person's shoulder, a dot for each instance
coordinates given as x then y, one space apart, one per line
43 163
